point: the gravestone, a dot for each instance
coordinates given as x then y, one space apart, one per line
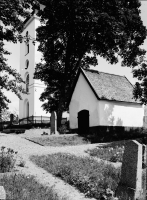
133 172
2 193
53 122
11 118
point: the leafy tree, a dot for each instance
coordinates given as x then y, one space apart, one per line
73 32
12 14
6 114
140 89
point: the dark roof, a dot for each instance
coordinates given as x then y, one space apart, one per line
107 86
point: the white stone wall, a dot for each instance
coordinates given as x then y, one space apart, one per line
113 113
36 87
83 98
105 113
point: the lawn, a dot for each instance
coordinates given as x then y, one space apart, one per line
112 152
58 141
21 187
89 176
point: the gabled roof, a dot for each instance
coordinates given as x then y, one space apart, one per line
108 86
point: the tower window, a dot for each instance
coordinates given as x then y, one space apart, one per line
27 64
27 83
27 48
27 43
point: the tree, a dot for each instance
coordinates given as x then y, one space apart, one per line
12 14
73 32
6 114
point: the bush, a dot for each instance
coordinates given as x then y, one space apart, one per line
89 176
63 129
109 153
7 159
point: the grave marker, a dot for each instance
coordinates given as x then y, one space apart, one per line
53 123
133 172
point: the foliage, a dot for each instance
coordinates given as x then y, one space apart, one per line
20 187
74 32
61 140
140 89
12 14
89 176
112 154
7 159
63 129
5 114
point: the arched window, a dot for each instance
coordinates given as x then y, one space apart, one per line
27 83
27 64
27 44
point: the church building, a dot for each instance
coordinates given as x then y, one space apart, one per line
29 56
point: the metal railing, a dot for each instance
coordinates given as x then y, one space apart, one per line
35 120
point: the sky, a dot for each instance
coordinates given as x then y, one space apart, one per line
103 66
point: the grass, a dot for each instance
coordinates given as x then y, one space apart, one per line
88 176
21 187
112 152
58 141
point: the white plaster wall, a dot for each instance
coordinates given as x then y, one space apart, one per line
83 98
38 84
36 87
31 57
38 54
102 112
113 113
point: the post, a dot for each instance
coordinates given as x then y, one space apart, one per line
41 119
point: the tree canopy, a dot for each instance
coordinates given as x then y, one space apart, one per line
73 32
12 14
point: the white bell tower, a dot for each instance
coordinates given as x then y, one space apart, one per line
29 56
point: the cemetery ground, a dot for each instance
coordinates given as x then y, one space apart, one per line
61 171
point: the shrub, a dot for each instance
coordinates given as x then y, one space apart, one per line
63 129
7 159
89 176
21 162
112 154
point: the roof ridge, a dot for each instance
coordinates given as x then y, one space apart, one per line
96 71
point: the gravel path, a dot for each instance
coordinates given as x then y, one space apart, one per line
26 148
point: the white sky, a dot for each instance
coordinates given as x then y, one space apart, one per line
14 61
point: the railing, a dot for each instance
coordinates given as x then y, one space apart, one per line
35 120
32 120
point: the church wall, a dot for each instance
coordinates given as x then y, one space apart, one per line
102 112
113 113
30 70
36 87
